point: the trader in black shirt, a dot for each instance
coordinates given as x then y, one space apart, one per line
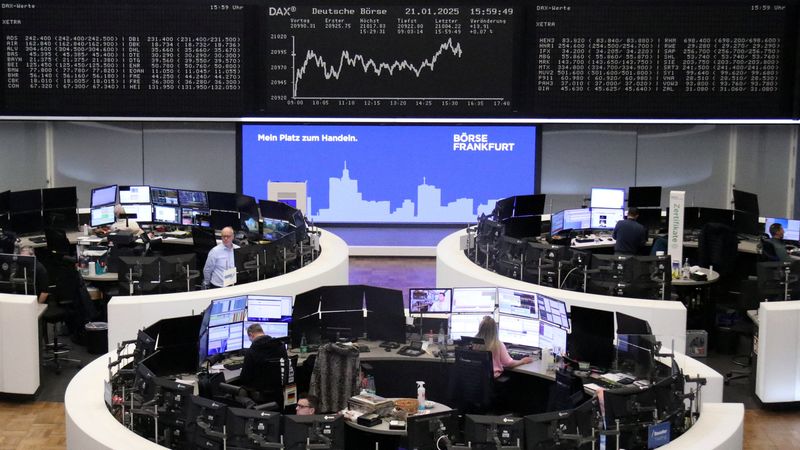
630 235
255 368
776 230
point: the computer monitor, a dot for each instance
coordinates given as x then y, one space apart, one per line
791 227
17 274
225 338
464 325
529 205
474 300
62 219
745 201
552 311
274 229
551 336
426 431
629 405
651 219
490 431
106 195
227 310
592 336
21 201
716 215
141 271
140 212
429 300
567 429
608 198
746 223
164 196
5 198
517 302
636 355
644 196
102 215
577 219
557 223
274 329
222 219
166 214
26 222
268 307
60 198
691 218
518 330
275 210
210 419
606 218
249 224
631 325
778 280
134 194
596 322
197 217
192 199
249 428
247 205
523 227
222 201
327 429
504 209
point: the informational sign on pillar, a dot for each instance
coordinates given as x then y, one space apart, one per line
675 229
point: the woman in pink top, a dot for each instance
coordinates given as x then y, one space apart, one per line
500 357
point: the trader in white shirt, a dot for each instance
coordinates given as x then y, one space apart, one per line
220 260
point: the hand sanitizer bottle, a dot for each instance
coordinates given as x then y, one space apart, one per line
420 395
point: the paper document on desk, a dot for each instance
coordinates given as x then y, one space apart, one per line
613 377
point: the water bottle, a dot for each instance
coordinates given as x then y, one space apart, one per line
420 395
303 345
686 270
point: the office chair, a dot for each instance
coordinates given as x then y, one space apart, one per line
566 393
486 240
335 376
717 246
767 248
60 309
57 242
748 299
509 260
471 383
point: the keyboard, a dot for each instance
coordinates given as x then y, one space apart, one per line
233 365
38 239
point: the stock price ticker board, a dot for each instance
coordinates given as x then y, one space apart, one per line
670 59
389 58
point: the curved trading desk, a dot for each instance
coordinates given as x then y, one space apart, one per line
126 315
90 425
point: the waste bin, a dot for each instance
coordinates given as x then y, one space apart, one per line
97 338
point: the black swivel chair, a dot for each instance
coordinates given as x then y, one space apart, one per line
471 383
61 308
767 252
717 246
509 259
57 242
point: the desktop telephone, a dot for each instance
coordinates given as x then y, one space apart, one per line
413 349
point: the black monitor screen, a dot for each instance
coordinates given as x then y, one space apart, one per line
60 198
247 204
490 430
134 194
548 430
529 205
222 219
315 429
429 300
644 196
504 209
631 325
275 210
64 219
102 196
192 199
716 215
20 201
164 196
4 199
425 431
222 201
592 321
27 222
248 428
745 201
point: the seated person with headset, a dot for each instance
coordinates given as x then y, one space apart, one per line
262 349
780 252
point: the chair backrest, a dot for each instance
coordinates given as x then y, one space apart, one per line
718 246
335 376
768 252
57 241
471 382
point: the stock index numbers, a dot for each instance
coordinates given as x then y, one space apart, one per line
390 59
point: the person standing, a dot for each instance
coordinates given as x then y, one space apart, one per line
220 259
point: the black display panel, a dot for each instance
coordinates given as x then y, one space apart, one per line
391 58
123 58
58 198
671 59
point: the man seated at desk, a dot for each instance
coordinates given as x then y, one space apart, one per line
630 235
776 231
221 262
262 350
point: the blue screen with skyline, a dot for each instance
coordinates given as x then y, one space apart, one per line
392 173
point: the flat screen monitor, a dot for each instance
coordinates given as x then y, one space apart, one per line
4 199
691 218
644 196
222 219
164 196
134 194
422 301
518 330
20 201
553 311
791 227
222 201
275 210
17 274
62 219
102 215
166 214
106 195
426 430
650 218
556 223
300 431
247 205
548 430
225 338
595 322
746 223
248 223
268 307
60 198
577 219
529 205
212 414
274 229
716 215
249 428
631 325
745 201
271 329
197 217
192 199
474 300
227 310
517 302
608 198
27 222
142 212
464 325
491 431
504 209
551 336
606 218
